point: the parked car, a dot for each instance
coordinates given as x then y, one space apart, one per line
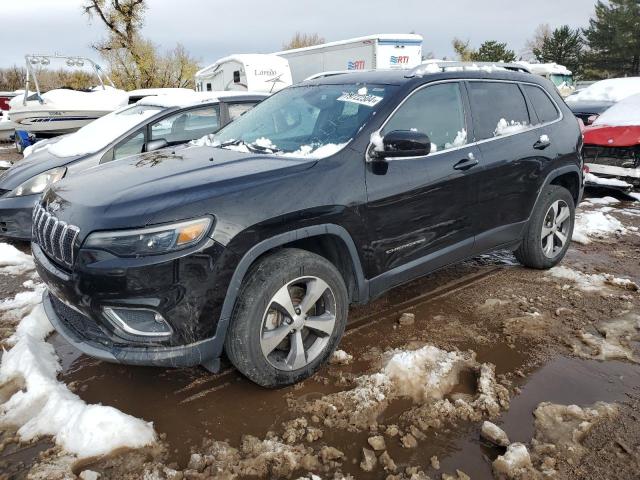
612 147
587 104
330 192
150 124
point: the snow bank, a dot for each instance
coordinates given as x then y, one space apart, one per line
101 132
47 407
624 113
611 90
596 224
13 261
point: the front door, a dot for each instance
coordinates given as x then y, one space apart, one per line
420 209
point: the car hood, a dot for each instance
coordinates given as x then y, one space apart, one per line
163 186
36 163
608 136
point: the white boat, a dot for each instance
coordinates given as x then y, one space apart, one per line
61 111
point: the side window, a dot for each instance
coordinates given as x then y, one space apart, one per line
237 109
185 126
208 87
437 111
542 104
131 146
498 108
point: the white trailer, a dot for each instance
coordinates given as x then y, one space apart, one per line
253 72
382 51
560 75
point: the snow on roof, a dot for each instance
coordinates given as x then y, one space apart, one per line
388 37
143 92
193 98
544 68
245 59
624 113
611 90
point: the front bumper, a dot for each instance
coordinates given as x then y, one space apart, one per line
86 336
15 216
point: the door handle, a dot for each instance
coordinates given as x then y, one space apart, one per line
542 143
466 163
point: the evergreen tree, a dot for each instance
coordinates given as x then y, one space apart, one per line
563 46
613 38
492 51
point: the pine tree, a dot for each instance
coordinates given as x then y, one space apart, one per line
613 38
492 51
563 46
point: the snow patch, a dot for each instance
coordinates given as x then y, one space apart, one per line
610 90
596 224
624 113
607 182
13 261
505 127
515 463
376 141
340 357
591 282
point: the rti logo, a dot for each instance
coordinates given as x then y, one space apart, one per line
355 65
399 60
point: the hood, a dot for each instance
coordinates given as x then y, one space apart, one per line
607 136
36 163
163 186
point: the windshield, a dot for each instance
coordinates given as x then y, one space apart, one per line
101 132
305 121
558 79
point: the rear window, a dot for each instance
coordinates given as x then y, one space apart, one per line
498 108
542 104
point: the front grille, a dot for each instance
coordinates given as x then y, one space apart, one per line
56 238
626 157
84 327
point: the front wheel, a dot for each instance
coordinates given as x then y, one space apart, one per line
548 233
289 317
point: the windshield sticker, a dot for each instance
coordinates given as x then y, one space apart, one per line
366 100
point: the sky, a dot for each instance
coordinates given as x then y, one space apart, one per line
210 29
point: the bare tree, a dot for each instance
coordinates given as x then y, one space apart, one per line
300 40
540 36
462 48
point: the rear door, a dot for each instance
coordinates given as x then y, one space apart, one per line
420 210
511 164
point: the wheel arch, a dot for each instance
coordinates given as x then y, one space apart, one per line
568 177
327 240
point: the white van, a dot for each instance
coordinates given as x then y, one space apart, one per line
253 72
381 51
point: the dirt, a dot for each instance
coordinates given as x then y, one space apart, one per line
522 345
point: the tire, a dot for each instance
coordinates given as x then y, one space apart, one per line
259 320
536 250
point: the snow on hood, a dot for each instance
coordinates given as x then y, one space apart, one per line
625 113
101 132
611 90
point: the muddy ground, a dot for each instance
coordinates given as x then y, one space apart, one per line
548 339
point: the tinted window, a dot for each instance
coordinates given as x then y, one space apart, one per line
542 104
131 146
437 111
498 108
184 126
237 109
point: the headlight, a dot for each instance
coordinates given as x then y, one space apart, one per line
150 241
39 183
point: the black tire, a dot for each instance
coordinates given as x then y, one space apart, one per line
530 252
243 343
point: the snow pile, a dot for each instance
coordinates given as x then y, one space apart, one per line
610 90
340 357
607 182
505 128
596 224
591 282
603 201
622 114
47 407
101 132
17 307
376 141
514 464
13 261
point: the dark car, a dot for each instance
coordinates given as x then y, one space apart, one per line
589 110
328 193
152 123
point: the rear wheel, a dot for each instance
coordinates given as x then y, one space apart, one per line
289 317
548 233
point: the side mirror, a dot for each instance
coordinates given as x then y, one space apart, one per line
154 145
403 143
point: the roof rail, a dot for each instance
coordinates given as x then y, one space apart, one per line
439 66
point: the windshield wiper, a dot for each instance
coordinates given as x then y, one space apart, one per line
252 147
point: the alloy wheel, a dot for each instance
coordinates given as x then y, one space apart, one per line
555 228
298 323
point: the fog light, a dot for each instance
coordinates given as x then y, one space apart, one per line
138 321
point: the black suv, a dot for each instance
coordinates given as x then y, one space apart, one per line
327 193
